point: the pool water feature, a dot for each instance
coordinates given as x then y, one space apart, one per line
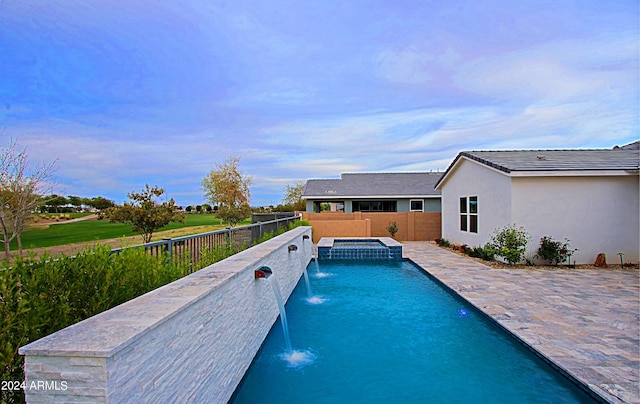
358 243
388 333
358 249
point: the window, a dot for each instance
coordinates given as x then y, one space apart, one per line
473 214
416 205
463 214
469 214
374 206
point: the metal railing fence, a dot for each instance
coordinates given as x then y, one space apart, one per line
188 249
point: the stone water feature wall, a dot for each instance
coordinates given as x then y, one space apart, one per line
189 341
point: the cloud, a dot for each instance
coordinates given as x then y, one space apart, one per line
557 70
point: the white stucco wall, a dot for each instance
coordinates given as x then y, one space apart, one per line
597 214
494 202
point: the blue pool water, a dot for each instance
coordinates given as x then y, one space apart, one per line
357 243
388 333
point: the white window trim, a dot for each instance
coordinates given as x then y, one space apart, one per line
416 200
468 214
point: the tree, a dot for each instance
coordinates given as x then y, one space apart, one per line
76 201
20 192
54 202
100 203
144 213
293 197
226 188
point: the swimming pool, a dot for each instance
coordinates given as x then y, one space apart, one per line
388 333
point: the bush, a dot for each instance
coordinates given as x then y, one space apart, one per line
443 242
40 297
510 243
392 228
553 251
486 254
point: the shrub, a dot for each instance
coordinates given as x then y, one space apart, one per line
443 242
553 251
392 229
510 243
40 297
481 252
463 248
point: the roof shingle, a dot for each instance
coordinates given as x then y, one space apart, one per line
374 184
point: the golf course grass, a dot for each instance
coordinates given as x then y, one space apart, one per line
61 233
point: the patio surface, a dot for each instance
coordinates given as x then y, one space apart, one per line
586 321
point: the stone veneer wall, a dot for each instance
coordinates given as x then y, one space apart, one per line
191 340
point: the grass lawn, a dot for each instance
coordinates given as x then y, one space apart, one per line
92 230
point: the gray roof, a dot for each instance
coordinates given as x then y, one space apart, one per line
631 146
624 158
374 184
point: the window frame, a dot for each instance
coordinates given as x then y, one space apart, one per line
374 206
411 201
468 213
463 208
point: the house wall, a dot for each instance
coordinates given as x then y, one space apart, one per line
493 190
597 214
402 205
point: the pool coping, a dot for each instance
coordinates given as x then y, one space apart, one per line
387 241
587 330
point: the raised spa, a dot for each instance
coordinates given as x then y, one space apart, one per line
384 248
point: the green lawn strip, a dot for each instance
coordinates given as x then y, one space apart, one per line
92 230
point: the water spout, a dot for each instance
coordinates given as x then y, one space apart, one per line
263 272
293 247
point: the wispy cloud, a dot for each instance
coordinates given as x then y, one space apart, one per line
159 92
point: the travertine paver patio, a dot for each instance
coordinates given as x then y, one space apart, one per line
586 321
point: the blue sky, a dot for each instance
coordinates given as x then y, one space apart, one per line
125 93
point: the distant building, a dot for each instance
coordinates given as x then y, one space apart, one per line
375 192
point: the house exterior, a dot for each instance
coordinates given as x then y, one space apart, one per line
375 192
587 196
365 204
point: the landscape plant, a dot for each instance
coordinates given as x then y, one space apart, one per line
39 297
486 254
443 242
21 190
226 188
554 251
292 200
392 228
144 213
509 242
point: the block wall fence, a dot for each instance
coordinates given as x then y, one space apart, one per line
189 341
412 226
